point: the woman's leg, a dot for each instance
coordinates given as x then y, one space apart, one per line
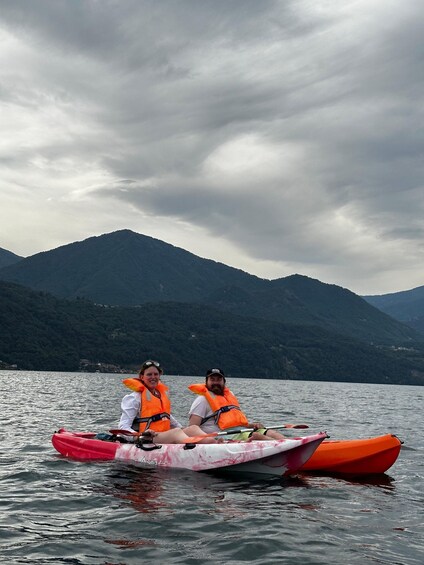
176 435
197 431
194 431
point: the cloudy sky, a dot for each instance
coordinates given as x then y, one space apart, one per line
278 137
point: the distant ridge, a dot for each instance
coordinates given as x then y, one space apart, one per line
406 306
124 268
8 258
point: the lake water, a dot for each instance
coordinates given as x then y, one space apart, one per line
55 510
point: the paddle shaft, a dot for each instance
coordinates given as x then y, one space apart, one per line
195 439
243 430
128 433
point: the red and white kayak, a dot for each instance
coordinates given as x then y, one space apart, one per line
276 457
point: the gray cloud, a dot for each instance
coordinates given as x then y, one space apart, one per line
289 131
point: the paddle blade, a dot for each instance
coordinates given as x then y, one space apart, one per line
194 439
123 433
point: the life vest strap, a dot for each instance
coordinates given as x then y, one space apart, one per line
218 413
151 419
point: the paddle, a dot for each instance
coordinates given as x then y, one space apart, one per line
293 426
128 433
195 439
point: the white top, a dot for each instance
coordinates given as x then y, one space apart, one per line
201 407
130 406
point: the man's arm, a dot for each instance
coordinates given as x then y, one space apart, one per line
195 420
198 411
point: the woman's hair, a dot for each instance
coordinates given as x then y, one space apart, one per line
150 363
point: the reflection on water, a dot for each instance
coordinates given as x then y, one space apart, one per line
382 480
153 490
159 491
131 543
141 488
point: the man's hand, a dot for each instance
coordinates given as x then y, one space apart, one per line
256 425
149 434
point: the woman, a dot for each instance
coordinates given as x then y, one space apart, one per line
148 408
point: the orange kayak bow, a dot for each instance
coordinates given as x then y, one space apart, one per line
355 457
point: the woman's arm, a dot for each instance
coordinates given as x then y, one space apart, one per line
130 407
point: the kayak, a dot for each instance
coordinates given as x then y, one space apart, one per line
356 456
275 457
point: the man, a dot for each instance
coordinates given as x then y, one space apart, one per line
218 409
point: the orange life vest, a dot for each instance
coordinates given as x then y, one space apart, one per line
155 413
226 409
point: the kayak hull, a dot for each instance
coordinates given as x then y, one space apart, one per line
355 457
276 457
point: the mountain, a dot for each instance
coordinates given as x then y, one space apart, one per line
125 269
128 269
406 306
42 332
302 300
8 258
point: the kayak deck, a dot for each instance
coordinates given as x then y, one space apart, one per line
368 456
276 457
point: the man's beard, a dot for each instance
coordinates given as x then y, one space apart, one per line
217 389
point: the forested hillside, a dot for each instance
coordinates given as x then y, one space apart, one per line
406 306
39 331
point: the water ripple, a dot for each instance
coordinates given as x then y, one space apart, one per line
64 512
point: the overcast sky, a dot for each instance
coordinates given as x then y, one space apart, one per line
278 137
